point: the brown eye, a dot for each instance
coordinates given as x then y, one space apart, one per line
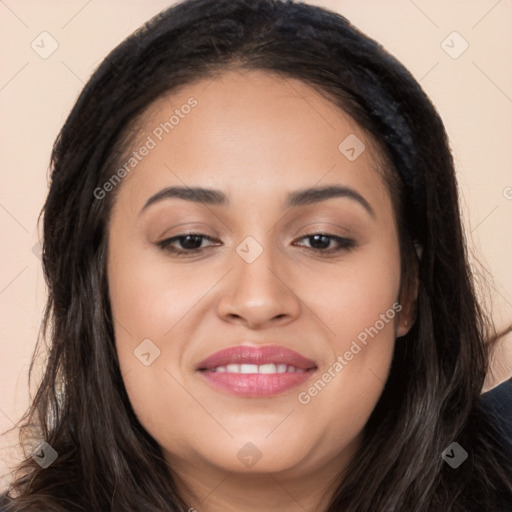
320 242
187 243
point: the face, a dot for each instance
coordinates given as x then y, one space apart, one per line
261 342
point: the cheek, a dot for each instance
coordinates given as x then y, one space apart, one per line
361 313
147 301
351 296
147 295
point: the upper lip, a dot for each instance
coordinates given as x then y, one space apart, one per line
246 354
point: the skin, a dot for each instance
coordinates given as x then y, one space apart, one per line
256 137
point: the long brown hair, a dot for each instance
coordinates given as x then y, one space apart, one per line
106 459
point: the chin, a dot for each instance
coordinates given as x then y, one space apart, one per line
252 454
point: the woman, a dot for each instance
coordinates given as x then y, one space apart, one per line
259 294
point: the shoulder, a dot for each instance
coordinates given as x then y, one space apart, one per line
497 405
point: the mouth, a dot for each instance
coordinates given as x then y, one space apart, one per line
267 368
256 371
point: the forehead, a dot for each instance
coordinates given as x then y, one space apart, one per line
250 130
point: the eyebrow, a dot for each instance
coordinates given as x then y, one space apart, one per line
294 199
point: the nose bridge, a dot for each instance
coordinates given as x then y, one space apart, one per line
257 292
256 263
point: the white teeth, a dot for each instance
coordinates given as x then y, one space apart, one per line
268 368
248 368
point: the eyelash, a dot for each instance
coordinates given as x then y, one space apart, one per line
345 244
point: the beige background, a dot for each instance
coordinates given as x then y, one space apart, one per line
473 93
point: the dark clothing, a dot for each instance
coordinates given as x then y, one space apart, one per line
498 403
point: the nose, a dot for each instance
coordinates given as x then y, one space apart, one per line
259 293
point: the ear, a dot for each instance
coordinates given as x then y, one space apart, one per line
408 299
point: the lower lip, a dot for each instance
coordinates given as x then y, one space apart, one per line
256 384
